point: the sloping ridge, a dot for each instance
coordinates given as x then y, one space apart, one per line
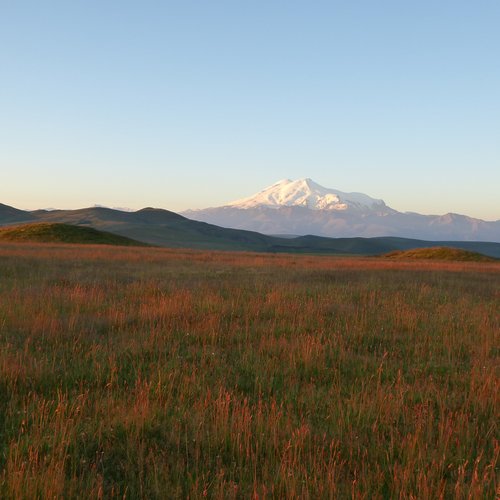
10 214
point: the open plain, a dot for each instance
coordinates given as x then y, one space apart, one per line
150 373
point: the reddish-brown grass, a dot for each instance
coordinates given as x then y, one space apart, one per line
144 373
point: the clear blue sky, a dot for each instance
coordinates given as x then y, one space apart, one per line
189 104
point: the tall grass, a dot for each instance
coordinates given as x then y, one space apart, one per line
149 373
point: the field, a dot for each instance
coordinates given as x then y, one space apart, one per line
151 373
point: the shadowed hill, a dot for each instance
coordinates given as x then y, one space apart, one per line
10 215
162 227
441 253
64 233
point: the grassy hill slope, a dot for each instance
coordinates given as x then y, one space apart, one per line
64 233
440 253
163 228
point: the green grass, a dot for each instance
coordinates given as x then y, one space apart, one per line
64 233
153 373
441 253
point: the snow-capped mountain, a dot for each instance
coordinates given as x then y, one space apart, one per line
304 207
306 193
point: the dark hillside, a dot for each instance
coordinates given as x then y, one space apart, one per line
10 214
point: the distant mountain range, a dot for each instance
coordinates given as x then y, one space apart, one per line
168 229
304 207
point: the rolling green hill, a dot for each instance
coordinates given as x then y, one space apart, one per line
164 228
440 253
63 233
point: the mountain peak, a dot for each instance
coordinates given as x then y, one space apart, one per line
308 194
304 207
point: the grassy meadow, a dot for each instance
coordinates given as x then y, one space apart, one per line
151 373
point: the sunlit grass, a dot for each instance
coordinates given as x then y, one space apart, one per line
43 232
156 373
441 253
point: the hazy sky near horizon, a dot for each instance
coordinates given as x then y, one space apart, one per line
188 104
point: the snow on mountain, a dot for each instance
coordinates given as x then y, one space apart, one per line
304 207
306 193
